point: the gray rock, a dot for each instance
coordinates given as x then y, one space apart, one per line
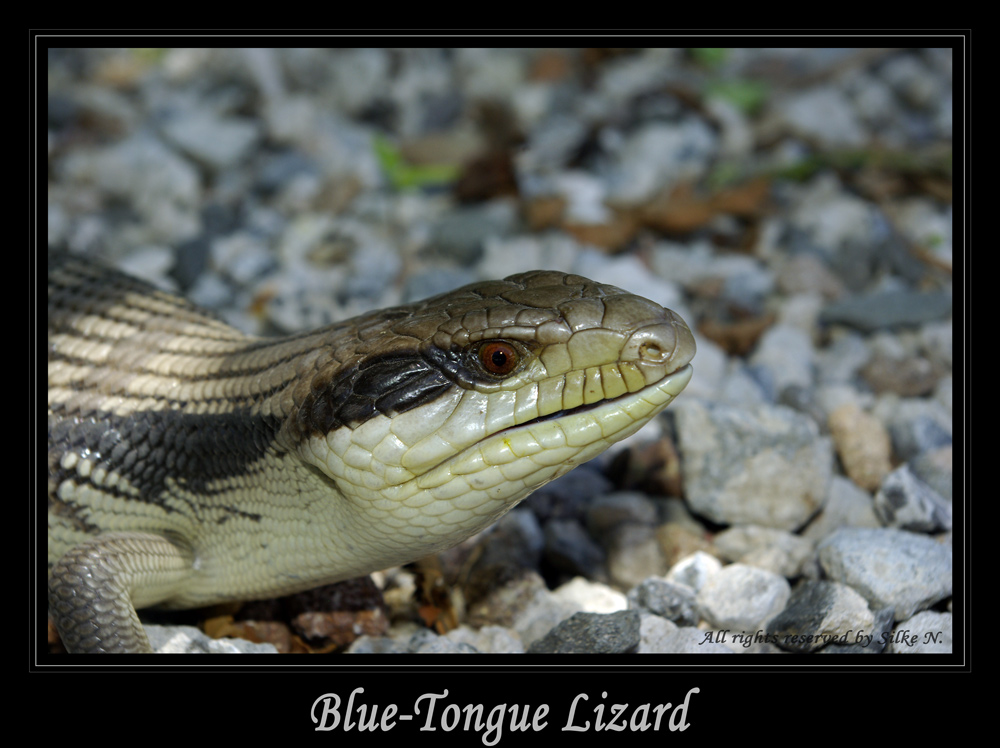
551 146
744 386
916 425
736 135
944 393
889 567
355 73
590 597
242 257
657 595
216 142
539 619
655 633
570 549
433 282
936 340
714 372
841 228
927 223
696 262
505 603
592 633
742 598
488 639
660 636
212 292
807 273
634 553
518 254
516 540
766 548
279 169
152 264
840 362
803 400
826 114
927 632
871 641
111 110
766 467
786 353
373 265
659 155
675 511
570 496
460 235
911 79
749 288
629 76
934 467
906 502
695 570
873 100
365 644
190 640
820 613
524 605
444 645
160 186
847 505
888 309
620 508
422 638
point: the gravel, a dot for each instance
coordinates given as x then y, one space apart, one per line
798 494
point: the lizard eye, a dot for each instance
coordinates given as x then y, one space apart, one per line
498 357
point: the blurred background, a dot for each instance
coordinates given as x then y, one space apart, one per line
793 205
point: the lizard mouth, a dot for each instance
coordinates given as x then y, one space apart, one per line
514 461
673 383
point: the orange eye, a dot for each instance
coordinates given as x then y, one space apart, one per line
498 358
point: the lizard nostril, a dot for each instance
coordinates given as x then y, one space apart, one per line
668 344
652 350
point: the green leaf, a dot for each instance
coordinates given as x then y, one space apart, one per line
405 176
710 57
746 95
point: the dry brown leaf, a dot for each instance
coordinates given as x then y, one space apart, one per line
682 209
550 65
433 595
747 200
736 338
678 541
340 627
544 212
678 211
485 177
612 236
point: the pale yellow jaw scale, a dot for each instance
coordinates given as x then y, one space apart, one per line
470 490
496 472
